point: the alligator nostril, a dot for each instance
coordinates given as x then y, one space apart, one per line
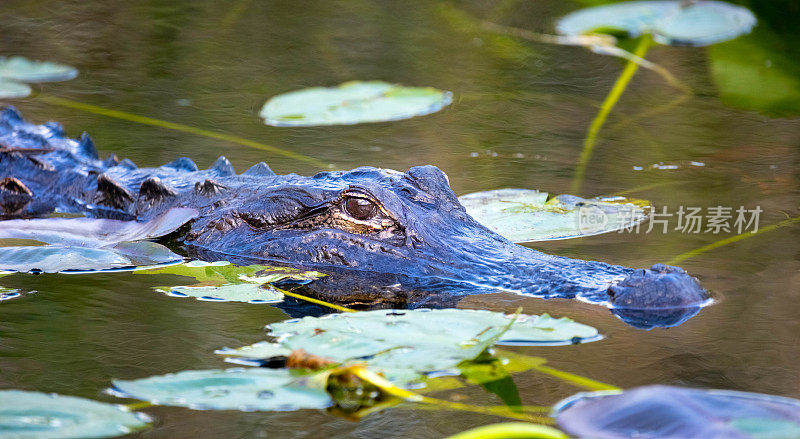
661 268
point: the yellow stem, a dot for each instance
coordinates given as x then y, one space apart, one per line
574 379
138 405
54 100
410 396
316 301
608 104
692 253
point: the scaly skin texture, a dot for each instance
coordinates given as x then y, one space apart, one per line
408 225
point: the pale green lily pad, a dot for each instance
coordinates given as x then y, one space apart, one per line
524 215
74 260
13 90
21 69
222 281
404 344
247 389
669 22
248 292
351 103
36 415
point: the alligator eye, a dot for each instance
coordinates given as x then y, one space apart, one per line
360 208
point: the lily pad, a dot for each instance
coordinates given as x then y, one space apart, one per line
71 259
665 411
40 415
351 103
524 215
21 69
222 281
247 292
675 22
404 344
91 232
230 389
13 90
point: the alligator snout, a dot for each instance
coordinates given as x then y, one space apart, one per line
659 287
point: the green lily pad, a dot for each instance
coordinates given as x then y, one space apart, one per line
351 103
21 69
222 281
13 90
73 260
35 415
667 411
700 23
404 344
247 292
524 215
247 389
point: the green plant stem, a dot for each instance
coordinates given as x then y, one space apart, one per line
54 100
608 104
722 242
138 405
315 301
577 380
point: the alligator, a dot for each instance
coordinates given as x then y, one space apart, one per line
406 225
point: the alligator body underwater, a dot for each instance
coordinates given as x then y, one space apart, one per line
366 220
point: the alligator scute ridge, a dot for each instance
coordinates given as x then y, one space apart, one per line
366 220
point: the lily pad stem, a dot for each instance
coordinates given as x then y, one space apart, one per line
608 104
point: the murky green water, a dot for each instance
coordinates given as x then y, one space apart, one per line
519 116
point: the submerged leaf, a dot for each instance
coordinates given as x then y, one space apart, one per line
351 103
12 90
22 69
524 215
665 411
230 389
69 259
673 22
46 415
222 281
507 430
91 232
405 344
248 292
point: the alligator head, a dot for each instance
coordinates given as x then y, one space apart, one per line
411 224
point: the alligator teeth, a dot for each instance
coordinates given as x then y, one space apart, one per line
259 169
112 194
208 188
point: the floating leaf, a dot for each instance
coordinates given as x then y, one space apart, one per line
248 389
665 411
405 344
222 281
351 103
248 292
40 415
675 22
22 69
91 232
68 259
12 90
524 215
756 73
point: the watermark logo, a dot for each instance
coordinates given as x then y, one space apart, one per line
592 219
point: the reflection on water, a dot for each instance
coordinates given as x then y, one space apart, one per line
519 115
